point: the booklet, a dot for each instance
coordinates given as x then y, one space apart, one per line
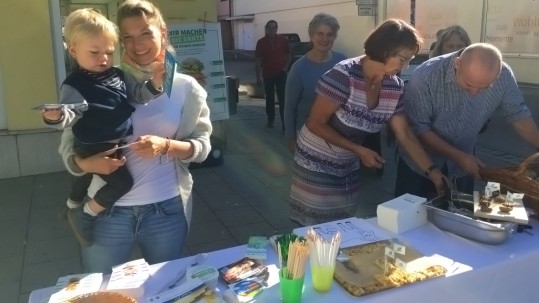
194 291
245 268
68 287
59 106
354 231
257 247
170 70
250 290
129 278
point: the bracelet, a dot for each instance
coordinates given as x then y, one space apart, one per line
167 146
430 169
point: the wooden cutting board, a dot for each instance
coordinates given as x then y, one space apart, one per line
370 278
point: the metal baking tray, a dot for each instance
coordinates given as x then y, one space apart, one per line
488 232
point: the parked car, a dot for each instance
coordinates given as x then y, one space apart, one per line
297 48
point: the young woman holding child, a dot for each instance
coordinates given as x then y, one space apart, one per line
168 134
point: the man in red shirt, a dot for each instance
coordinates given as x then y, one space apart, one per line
272 61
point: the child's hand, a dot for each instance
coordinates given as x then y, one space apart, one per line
51 115
158 74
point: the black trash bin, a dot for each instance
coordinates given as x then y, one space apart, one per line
232 88
215 157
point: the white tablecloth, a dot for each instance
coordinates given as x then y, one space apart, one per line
503 273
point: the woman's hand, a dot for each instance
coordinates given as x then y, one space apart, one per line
158 74
103 163
149 146
370 158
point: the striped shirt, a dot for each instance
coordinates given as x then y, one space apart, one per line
344 85
435 102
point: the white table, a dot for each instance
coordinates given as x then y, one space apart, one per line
504 273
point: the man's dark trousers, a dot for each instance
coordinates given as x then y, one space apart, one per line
271 84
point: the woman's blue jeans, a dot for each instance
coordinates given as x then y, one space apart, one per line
158 229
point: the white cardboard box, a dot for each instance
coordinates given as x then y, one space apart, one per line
402 213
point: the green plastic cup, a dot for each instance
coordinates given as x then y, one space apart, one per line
291 289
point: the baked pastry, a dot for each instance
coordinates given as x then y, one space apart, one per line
506 207
484 205
396 277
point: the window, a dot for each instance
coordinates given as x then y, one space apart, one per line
59 9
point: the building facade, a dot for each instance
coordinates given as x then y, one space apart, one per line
511 26
33 65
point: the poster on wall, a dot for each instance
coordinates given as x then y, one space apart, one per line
199 53
513 26
431 16
399 9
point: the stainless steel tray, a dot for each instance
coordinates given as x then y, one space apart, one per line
494 232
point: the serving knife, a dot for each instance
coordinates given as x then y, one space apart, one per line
344 259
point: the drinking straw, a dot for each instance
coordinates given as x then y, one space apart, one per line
323 251
298 251
284 241
279 254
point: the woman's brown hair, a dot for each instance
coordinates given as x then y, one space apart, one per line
390 37
140 8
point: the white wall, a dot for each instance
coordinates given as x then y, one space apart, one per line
223 8
431 15
294 19
3 118
247 7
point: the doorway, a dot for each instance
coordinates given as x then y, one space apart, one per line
248 33
59 10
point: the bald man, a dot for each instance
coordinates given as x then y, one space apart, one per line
448 99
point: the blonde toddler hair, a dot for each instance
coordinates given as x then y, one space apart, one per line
86 22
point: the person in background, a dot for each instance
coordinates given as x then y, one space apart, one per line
453 38
433 44
272 59
91 40
168 134
448 100
305 73
357 97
